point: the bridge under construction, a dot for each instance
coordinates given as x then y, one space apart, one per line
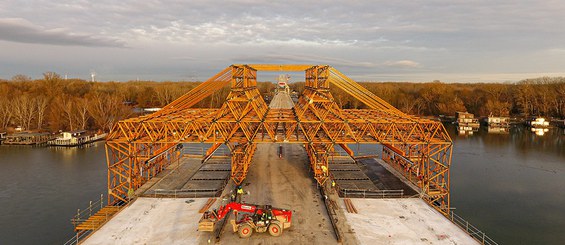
140 148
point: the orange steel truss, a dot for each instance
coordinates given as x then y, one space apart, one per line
139 148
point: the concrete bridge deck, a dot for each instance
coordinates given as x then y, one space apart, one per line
379 221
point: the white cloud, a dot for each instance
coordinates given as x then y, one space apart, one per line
367 37
22 30
403 63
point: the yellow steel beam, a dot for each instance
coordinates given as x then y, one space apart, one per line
422 147
280 67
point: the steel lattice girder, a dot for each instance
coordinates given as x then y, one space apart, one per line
316 121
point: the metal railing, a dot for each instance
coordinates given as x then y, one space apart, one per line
76 239
183 193
197 151
470 229
83 215
371 193
92 208
357 154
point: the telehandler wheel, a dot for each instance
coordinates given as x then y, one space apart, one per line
275 229
245 231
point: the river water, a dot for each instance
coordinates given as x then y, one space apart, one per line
510 186
42 187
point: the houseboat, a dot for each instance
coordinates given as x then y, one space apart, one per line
538 122
493 121
498 125
2 137
466 123
27 138
75 138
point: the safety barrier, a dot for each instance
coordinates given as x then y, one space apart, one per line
196 151
184 193
345 193
92 208
83 223
470 229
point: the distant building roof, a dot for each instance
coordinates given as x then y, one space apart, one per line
27 134
75 131
151 109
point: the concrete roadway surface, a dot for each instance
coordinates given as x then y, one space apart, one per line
286 183
281 100
282 183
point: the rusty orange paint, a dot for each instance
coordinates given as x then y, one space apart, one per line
419 148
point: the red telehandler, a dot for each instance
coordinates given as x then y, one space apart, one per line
249 218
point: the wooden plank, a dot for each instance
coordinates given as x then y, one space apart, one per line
207 205
349 206
96 220
346 205
353 206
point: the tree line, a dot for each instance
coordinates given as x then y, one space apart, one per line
52 103
543 96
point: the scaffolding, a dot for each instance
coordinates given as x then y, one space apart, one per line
419 148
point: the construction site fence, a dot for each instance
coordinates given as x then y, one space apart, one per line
182 193
470 229
379 194
83 215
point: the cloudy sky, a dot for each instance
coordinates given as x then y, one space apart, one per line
451 40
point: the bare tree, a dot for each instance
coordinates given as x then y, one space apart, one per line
68 108
408 104
41 103
166 93
24 110
21 78
5 112
82 112
107 109
525 95
51 84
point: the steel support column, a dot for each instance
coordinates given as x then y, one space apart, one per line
417 147
318 155
241 156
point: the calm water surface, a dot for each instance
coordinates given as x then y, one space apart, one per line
510 186
41 189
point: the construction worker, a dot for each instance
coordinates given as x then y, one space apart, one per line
325 170
131 194
232 196
239 193
333 186
269 214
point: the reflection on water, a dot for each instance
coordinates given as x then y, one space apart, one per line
466 130
540 131
42 187
511 185
498 130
